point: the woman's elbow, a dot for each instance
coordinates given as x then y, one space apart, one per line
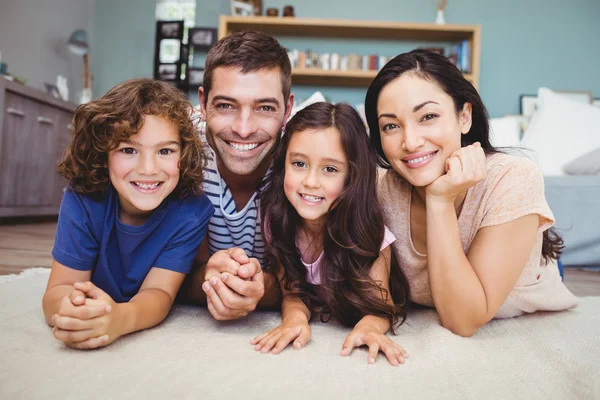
463 328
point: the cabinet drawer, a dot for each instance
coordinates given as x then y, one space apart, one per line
28 152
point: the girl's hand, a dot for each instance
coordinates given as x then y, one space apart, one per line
368 335
95 324
464 168
277 339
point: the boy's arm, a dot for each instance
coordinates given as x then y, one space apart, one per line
60 286
151 304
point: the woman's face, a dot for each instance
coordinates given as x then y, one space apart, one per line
419 127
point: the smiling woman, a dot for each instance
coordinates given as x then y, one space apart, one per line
473 228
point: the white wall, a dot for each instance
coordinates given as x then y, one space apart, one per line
33 37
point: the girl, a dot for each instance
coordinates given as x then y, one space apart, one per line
325 232
132 217
472 224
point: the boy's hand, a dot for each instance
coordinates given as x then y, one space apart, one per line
365 334
90 325
277 339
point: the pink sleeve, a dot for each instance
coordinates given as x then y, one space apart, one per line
388 238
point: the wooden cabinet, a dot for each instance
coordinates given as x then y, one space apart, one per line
34 131
379 30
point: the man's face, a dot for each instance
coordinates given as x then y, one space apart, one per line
244 115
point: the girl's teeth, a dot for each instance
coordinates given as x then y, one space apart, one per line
243 147
147 186
420 159
312 199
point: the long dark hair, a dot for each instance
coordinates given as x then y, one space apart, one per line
353 232
436 68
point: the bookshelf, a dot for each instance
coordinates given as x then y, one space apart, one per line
373 30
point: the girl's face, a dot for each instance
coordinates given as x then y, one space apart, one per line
315 172
419 127
145 168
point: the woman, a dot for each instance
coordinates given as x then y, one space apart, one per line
472 223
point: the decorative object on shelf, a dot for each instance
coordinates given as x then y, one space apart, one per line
202 38
242 8
63 88
195 77
257 4
52 90
78 45
288 11
272 12
170 53
441 5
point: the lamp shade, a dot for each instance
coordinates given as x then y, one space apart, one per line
78 42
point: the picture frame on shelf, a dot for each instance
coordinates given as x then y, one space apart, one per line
52 90
170 29
242 8
195 77
167 72
202 38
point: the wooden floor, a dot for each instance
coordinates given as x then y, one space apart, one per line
28 245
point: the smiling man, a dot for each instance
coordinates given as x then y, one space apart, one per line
245 102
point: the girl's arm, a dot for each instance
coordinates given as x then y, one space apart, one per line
295 316
468 290
370 330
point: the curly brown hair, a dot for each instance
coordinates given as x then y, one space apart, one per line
99 126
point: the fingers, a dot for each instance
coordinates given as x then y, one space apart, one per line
373 351
238 255
302 339
253 288
216 307
91 343
220 262
250 269
275 340
352 341
71 324
87 311
72 336
77 297
89 289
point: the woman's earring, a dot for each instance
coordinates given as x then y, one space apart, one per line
282 130
202 129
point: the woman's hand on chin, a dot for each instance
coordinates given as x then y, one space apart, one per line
464 168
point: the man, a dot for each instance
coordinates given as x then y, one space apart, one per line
245 101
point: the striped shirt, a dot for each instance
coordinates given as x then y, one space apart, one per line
228 227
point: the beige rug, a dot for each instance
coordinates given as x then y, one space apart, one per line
542 356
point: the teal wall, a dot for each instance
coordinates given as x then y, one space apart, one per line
525 43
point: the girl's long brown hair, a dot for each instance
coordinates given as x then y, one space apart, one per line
353 232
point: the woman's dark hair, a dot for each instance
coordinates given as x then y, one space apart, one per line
437 69
100 125
353 232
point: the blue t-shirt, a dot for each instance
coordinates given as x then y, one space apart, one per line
90 236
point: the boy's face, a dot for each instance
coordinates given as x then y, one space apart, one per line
145 169
244 115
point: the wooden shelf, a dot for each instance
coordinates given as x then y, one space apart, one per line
370 30
321 77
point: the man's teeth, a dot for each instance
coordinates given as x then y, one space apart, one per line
243 147
312 199
420 159
147 185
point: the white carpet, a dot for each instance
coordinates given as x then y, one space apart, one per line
541 356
